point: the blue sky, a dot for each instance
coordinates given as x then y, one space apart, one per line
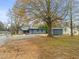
5 5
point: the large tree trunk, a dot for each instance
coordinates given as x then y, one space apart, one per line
17 31
49 29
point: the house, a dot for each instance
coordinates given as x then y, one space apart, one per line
57 31
67 31
34 31
37 31
28 30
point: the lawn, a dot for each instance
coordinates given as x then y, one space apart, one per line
64 47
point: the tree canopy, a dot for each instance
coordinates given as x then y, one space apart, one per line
47 11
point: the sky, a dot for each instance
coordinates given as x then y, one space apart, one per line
5 5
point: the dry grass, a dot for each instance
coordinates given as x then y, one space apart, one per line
64 47
19 50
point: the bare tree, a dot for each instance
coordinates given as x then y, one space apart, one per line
17 17
48 11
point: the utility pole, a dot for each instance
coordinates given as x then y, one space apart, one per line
71 16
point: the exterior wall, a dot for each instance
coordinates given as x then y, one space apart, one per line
37 31
64 31
57 31
67 31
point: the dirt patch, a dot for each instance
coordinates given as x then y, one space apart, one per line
19 50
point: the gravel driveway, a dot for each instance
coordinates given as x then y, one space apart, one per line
7 38
3 39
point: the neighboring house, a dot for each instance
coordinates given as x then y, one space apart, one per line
32 28
37 31
57 31
24 30
67 31
28 30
